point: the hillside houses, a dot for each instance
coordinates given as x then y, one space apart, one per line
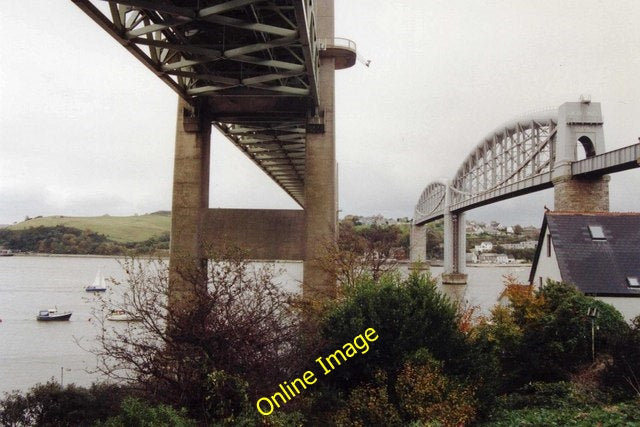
527 244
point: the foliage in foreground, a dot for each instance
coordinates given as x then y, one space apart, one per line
623 374
623 414
53 405
545 335
137 413
561 404
234 342
422 368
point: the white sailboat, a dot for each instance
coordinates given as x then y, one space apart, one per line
98 284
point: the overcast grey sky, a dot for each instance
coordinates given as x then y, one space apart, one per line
85 129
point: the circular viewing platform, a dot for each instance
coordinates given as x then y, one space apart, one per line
343 50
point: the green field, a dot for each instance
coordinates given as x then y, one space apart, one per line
119 228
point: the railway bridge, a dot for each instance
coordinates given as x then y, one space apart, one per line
532 153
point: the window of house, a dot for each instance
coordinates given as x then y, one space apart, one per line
632 282
596 232
548 245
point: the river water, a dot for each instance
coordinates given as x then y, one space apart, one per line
33 352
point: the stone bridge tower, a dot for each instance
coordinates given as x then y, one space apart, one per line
579 127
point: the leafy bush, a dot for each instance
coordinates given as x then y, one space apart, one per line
427 395
411 318
625 414
52 405
560 394
369 405
137 413
545 335
623 373
407 315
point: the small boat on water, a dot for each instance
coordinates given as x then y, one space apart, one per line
98 284
52 314
121 316
6 252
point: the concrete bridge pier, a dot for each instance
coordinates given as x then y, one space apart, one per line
264 234
320 192
454 252
455 247
418 243
187 263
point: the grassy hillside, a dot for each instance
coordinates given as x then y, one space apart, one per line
119 228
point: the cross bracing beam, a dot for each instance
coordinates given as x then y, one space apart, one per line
254 63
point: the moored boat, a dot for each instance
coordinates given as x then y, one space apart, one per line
98 284
121 316
52 314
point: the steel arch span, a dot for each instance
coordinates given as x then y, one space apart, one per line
537 151
515 158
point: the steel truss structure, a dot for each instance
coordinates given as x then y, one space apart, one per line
252 65
514 159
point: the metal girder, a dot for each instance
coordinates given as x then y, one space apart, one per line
251 26
514 159
431 202
611 161
254 63
274 148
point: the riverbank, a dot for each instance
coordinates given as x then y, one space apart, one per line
438 263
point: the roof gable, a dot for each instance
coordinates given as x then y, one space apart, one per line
597 266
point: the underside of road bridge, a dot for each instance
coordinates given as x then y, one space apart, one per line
261 72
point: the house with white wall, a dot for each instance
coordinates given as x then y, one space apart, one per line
599 253
483 247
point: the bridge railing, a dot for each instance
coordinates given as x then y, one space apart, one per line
337 42
611 161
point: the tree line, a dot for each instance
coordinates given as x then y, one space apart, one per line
61 239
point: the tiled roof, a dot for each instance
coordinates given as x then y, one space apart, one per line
599 267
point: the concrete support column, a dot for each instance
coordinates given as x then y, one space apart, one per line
320 175
449 237
455 241
581 194
461 247
418 243
187 262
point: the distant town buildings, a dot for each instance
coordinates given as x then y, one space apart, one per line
491 258
527 244
484 247
377 220
493 228
485 252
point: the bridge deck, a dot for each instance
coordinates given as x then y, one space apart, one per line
611 161
252 64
